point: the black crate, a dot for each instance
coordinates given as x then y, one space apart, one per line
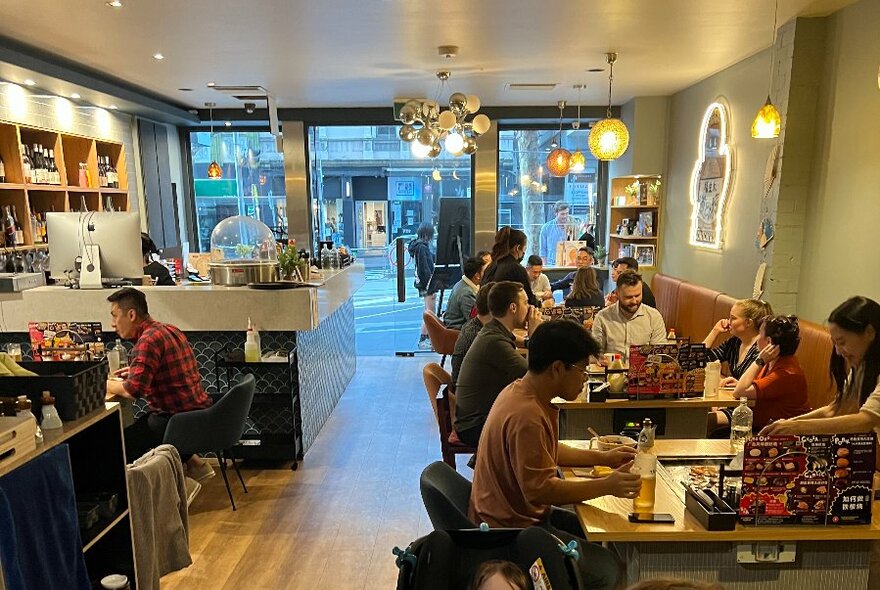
79 387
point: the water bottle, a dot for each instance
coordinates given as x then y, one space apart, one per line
334 258
740 425
123 353
325 257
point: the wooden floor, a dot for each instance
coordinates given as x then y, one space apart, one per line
333 522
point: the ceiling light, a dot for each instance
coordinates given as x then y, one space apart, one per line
768 121
113 107
419 150
609 137
559 160
214 170
211 84
75 95
29 82
114 4
228 123
158 56
185 89
436 175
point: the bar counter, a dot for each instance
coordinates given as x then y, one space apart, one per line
295 395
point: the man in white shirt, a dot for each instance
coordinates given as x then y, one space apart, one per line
628 322
464 294
537 279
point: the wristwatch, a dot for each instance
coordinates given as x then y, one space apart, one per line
760 362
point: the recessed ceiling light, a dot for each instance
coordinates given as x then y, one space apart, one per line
229 123
114 4
158 56
113 107
75 95
596 70
211 84
29 82
185 89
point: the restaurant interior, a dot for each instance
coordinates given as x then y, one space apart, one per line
462 295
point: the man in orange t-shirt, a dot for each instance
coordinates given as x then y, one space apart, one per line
516 483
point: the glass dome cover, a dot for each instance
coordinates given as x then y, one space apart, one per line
242 240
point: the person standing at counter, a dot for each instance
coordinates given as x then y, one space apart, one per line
775 380
420 250
162 369
855 365
507 253
628 322
154 268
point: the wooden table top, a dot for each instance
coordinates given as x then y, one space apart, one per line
606 519
724 400
680 448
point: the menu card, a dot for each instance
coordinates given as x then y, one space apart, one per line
66 341
666 370
808 479
578 314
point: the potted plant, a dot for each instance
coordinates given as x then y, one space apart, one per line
600 255
632 193
290 264
654 193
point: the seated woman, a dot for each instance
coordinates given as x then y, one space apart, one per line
775 380
152 267
855 366
740 350
585 290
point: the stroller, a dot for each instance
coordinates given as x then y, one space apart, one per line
448 559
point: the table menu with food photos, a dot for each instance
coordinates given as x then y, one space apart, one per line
66 341
808 479
666 370
578 314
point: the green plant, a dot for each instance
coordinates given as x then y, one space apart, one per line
288 259
633 189
243 250
600 254
654 187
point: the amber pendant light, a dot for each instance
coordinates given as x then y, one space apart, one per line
215 172
768 121
559 160
609 137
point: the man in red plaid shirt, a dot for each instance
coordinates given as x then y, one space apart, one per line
161 369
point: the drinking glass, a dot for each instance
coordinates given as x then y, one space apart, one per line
14 351
645 465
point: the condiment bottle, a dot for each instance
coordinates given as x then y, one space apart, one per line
23 410
51 419
251 348
617 375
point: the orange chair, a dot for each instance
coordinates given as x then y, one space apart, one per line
438 384
442 338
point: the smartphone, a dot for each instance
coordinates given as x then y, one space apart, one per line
652 518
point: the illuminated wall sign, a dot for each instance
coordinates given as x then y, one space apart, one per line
710 182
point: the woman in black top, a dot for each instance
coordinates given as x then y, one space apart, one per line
585 290
507 253
741 350
152 267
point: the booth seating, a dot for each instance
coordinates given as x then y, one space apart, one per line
692 310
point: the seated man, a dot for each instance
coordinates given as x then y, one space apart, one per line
628 322
584 258
628 263
539 282
162 369
492 361
464 294
515 479
470 329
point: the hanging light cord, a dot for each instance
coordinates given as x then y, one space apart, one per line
610 80
772 47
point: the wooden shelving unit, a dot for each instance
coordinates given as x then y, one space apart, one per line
634 208
70 150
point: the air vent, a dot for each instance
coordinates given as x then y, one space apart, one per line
534 86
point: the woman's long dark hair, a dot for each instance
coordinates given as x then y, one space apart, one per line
585 284
506 239
855 315
425 231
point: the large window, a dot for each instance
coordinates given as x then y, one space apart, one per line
252 180
528 195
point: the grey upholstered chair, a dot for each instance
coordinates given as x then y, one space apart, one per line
446 494
216 429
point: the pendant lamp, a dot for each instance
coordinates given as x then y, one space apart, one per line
768 121
609 137
215 172
559 160
578 162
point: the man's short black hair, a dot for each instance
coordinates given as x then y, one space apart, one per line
629 278
503 293
128 298
148 246
535 260
472 266
560 340
630 262
483 253
482 302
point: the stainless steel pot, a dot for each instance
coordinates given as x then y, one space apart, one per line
240 274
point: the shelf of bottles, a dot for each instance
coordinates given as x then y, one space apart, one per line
43 171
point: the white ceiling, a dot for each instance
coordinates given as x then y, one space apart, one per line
348 53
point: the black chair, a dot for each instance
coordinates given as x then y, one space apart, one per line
446 494
216 429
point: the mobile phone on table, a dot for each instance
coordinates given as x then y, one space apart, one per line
660 518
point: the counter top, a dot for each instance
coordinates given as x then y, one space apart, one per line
192 307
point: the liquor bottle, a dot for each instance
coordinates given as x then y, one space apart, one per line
2 171
37 163
50 174
26 164
53 168
108 204
102 173
83 178
646 436
35 228
82 204
8 229
19 233
740 425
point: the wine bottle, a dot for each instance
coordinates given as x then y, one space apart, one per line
102 172
2 171
39 175
56 174
19 233
50 177
108 203
26 164
8 229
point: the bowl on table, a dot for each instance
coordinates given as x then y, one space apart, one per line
612 441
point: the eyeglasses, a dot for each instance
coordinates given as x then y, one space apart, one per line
586 372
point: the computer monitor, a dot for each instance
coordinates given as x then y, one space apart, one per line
117 236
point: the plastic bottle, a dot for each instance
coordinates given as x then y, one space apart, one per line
324 257
334 258
23 410
617 380
740 425
123 353
51 419
251 350
670 335
646 436
713 379
253 328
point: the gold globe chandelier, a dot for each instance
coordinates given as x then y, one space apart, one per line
768 121
215 172
559 160
429 130
609 137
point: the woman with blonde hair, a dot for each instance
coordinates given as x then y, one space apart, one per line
585 290
741 349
